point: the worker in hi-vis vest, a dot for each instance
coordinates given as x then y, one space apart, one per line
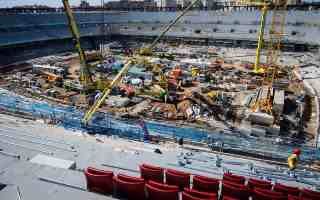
293 159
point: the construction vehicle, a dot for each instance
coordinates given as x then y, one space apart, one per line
85 74
195 71
144 52
168 56
212 94
51 77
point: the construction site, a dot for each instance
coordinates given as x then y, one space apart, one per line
224 103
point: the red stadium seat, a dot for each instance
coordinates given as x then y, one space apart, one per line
163 186
255 183
290 197
127 178
129 187
229 198
309 194
234 178
199 194
241 192
206 184
99 180
153 173
261 194
159 194
186 196
237 185
294 191
178 178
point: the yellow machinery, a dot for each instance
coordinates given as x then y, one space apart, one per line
124 70
195 71
85 75
265 6
107 91
276 33
212 94
163 82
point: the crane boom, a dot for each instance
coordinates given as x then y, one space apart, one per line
85 76
153 44
148 50
106 92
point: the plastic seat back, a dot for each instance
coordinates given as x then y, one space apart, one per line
241 192
294 191
234 178
151 167
229 198
151 173
180 179
99 181
127 178
163 186
159 194
186 196
199 194
130 190
206 184
290 197
255 183
309 194
236 185
261 194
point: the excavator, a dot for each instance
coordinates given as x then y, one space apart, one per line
145 51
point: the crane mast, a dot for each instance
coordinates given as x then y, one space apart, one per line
265 7
85 75
276 33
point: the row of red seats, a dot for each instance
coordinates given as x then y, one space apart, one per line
136 188
233 186
178 178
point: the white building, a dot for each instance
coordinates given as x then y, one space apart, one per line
168 3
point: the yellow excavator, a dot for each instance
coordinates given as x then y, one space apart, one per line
145 51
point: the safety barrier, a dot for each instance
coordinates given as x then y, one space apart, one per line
103 123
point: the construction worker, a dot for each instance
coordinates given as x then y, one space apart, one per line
293 159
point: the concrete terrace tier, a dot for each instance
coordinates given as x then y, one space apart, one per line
22 140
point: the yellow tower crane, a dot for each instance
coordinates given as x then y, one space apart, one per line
265 6
85 75
124 70
276 33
